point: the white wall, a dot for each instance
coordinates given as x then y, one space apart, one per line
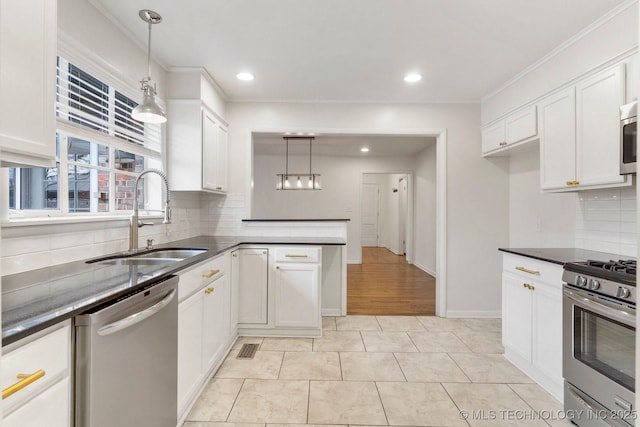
85 24
614 35
477 201
340 196
425 210
537 219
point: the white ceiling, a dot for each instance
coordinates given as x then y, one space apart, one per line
358 50
344 145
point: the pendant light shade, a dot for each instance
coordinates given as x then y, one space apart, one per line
148 111
298 181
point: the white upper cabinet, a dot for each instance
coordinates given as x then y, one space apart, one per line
197 134
196 148
515 129
598 101
580 134
28 82
558 140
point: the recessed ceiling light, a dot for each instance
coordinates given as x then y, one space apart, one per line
245 76
412 78
364 149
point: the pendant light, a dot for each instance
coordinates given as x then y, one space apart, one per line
148 111
298 181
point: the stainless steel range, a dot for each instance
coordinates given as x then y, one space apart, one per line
599 318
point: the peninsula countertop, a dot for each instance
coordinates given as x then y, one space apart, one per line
36 299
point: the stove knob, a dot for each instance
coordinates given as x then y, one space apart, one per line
581 281
623 292
594 284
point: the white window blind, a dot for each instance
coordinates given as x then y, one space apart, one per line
85 101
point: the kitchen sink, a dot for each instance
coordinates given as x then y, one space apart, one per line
150 257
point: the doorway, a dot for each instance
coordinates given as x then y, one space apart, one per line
387 282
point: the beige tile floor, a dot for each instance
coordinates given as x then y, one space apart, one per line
377 371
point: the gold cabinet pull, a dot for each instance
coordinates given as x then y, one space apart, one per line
576 182
235 255
25 380
209 291
218 188
531 287
569 182
503 143
526 270
277 267
296 256
211 273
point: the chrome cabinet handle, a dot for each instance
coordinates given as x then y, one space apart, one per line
136 317
25 380
526 270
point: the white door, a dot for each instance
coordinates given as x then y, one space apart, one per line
402 216
370 209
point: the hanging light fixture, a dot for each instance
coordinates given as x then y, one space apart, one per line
301 181
148 111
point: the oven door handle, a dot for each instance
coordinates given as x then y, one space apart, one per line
613 311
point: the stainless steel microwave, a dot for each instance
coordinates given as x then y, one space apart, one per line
628 144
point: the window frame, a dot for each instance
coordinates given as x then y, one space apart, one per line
79 56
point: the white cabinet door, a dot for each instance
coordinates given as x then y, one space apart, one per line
516 316
215 322
493 136
521 125
209 150
557 140
252 285
28 82
233 291
297 295
190 329
547 330
49 408
214 153
598 101
222 153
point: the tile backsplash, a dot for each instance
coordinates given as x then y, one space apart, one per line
31 247
606 221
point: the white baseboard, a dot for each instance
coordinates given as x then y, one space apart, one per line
425 269
489 314
331 312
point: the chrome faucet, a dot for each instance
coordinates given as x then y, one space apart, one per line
134 222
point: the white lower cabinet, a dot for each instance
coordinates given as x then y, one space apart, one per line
50 408
297 298
250 268
44 358
532 319
204 333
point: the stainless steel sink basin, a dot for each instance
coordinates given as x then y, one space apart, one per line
150 257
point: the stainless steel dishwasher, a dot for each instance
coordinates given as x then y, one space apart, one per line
126 360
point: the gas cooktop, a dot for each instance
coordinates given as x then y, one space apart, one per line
622 271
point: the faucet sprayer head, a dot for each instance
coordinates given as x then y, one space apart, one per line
167 213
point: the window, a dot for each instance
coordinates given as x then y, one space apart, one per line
100 151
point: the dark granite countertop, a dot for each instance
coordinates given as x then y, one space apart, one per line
563 255
34 300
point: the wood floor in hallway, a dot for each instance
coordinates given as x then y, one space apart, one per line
384 284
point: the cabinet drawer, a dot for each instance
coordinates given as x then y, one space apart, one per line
198 276
46 360
298 254
532 269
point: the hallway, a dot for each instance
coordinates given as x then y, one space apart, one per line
384 284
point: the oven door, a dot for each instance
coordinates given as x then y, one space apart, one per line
599 350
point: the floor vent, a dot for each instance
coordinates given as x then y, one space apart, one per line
247 351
